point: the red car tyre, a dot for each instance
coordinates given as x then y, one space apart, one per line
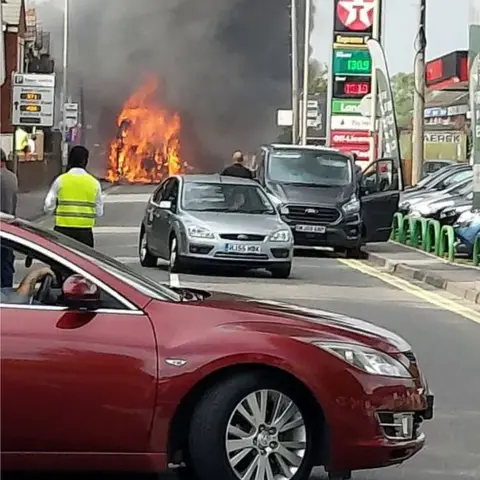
253 423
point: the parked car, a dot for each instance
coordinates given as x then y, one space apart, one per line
104 369
214 221
441 186
321 198
436 181
432 166
433 206
449 215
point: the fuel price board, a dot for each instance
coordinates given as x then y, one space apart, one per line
33 100
352 62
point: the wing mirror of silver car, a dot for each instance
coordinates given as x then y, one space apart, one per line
165 205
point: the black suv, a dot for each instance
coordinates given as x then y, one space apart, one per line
324 197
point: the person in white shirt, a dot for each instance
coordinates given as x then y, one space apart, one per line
75 198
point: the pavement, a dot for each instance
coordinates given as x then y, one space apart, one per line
460 280
443 329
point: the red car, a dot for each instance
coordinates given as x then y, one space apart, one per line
103 369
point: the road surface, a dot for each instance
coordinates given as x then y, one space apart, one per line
444 333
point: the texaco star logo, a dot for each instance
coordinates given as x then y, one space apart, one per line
356 15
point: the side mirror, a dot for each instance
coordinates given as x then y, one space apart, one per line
165 205
80 294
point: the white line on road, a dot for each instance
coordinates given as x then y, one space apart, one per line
127 198
115 230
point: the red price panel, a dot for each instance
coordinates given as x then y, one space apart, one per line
351 87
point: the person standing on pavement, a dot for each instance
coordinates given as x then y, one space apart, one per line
8 199
238 169
75 198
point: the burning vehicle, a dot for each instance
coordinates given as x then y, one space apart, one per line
146 148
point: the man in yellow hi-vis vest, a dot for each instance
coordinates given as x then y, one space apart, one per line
75 199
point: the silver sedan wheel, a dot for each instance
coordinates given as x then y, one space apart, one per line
266 437
143 247
173 253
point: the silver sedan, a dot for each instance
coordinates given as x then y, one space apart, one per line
213 220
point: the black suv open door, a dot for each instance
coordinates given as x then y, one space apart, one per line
380 187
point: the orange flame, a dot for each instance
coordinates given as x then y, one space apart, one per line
147 147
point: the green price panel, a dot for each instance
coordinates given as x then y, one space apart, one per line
352 62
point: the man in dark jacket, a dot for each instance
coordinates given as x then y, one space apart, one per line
237 169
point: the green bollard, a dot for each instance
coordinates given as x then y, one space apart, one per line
408 227
432 243
447 242
423 222
476 251
414 231
397 227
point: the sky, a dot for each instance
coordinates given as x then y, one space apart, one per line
447 29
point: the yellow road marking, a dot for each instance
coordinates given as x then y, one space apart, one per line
428 296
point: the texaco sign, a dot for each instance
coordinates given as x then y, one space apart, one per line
354 15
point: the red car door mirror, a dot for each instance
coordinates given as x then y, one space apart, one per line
80 293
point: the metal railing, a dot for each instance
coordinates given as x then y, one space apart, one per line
430 236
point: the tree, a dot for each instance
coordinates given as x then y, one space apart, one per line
318 81
403 86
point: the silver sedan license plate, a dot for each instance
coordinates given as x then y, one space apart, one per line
242 248
311 228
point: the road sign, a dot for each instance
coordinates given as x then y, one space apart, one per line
70 114
33 100
349 122
352 62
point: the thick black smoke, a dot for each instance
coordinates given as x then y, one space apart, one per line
225 64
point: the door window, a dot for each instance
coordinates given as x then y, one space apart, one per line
157 195
24 279
381 177
171 193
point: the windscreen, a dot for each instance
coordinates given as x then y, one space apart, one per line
310 167
432 179
225 197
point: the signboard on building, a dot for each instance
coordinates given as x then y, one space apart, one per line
33 100
448 70
351 74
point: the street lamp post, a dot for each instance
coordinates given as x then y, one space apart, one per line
306 70
65 83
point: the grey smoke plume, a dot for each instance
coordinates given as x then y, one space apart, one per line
224 64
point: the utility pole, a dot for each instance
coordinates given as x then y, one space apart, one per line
295 92
419 98
377 20
65 83
306 70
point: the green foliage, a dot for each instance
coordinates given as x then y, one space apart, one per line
403 86
318 81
